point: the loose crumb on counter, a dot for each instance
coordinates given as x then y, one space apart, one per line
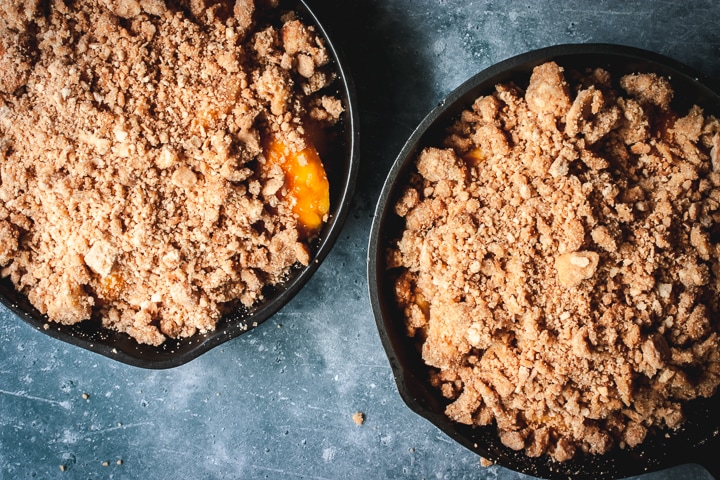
134 182
484 462
358 418
559 262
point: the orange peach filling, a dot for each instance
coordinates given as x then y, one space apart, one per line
305 181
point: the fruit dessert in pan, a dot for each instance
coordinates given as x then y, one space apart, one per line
160 162
558 263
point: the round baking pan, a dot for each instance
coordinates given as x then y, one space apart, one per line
697 441
341 164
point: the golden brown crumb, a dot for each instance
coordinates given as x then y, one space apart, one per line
133 134
62 468
358 418
560 261
484 462
85 396
119 462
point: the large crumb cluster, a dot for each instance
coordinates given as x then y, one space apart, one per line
559 262
132 186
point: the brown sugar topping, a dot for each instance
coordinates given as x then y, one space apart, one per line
132 185
559 263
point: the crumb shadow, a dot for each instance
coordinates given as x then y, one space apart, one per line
388 60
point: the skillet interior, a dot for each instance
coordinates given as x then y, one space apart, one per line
341 164
698 440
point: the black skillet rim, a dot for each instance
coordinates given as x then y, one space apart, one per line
657 452
120 347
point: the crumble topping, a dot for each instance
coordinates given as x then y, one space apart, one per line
132 180
559 262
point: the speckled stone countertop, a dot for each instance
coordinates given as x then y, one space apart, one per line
278 401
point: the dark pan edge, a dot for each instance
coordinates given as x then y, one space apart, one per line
121 347
636 461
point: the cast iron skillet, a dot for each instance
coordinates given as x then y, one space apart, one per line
697 442
341 165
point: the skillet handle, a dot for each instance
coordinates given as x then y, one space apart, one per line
714 83
713 467
708 455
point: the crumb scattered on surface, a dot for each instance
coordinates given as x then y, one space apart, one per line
484 462
85 396
559 263
358 418
132 184
63 468
105 464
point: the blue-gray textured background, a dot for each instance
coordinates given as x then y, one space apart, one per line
277 402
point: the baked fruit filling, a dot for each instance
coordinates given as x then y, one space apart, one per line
306 183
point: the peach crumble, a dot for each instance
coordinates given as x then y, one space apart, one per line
138 186
559 264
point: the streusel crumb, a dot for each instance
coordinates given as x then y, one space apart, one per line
559 263
133 179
